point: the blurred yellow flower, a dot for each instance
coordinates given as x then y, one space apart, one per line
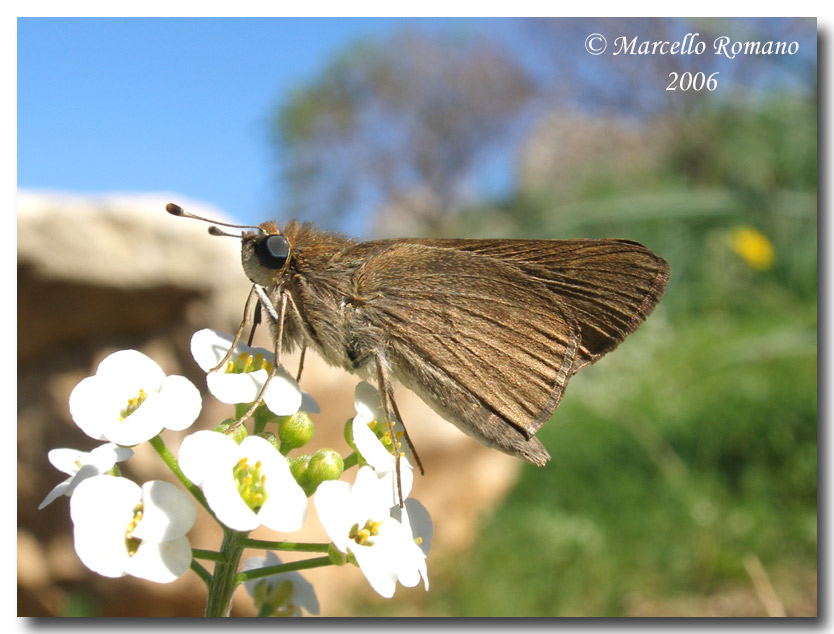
753 246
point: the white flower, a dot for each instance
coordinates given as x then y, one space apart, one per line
80 465
120 528
369 415
130 400
415 518
282 594
246 485
244 375
357 520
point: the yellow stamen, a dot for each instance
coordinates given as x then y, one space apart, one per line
246 362
132 543
251 483
362 535
133 404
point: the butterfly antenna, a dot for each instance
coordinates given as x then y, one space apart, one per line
176 210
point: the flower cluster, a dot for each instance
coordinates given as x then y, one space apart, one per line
364 519
244 478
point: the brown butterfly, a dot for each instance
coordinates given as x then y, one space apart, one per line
486 332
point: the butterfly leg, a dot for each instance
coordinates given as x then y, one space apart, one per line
384 395
405 431
301 362
278 341
243 322
256 320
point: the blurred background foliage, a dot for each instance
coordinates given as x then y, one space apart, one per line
684 468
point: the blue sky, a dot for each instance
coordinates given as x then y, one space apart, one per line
169 105
183 106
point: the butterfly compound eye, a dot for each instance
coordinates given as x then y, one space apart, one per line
273 251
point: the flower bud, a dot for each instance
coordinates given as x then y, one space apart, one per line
222 427
264 416
325 464
271 438
235 433
238 433
295 431
299 469
349 434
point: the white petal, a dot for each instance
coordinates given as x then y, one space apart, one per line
60 489
93 407
204 452
103 552
181 401
101 510
415 517
285 508
167 512
253 563
81 465
388 482
305 594
411 566
68 460
332 501
208 347
236 388
374 562
69 485
282 396
417 523
367 402
162 562
105 501
105 456
369 497
258 449
370 447
132 367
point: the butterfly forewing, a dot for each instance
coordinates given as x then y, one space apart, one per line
608 287
492 330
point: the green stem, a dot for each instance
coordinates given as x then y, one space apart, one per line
304 564
351 460
199 553
305 547
204 574
223 583
168 458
